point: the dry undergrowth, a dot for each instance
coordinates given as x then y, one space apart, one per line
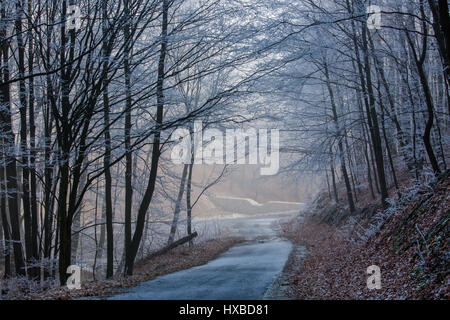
177 259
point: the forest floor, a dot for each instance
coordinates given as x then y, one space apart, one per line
408 242
180 258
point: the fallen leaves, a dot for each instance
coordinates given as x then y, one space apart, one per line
177 259
335 267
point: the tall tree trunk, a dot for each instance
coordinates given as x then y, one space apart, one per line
419 61
32 129
388 148
49 186
129 154
340 134
369 101
365 137
391 114
373 122
107 158
63 136
140 222
5 223
8 143
23 141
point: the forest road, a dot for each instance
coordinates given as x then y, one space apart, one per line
244 272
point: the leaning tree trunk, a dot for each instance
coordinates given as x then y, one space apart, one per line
419 61
176 213
189 189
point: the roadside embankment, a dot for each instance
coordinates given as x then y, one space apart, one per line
408 241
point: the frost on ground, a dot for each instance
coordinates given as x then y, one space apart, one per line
409 244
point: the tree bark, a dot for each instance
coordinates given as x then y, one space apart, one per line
5 223
129 154
419 61
107 159
8 140
373 122
176 213
148 195
339 136
173 245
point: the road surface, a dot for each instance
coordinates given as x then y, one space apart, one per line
243 272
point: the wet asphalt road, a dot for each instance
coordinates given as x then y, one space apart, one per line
243 272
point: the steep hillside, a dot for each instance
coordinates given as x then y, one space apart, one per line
408 241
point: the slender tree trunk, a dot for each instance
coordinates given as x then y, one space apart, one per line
328 184
388 149
23 141
140 222
64 215
176 213
391 114
419 61
350 167
333 179
188 203
373 123
340 134
107 159
100 244
8 143
76 235
49 186
369 101
108 196
32 130
365 137
77 224
189 188
5 224
129 154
